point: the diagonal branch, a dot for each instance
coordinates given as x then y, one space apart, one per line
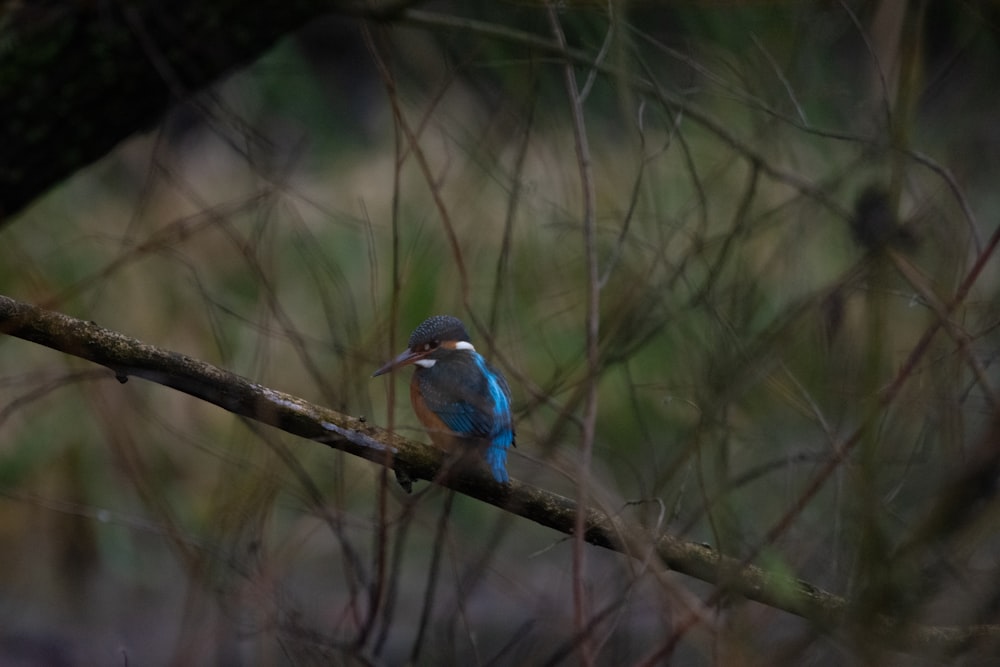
78 77
128 357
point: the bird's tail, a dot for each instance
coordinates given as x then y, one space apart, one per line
496 457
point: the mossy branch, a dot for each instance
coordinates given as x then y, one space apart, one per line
127 357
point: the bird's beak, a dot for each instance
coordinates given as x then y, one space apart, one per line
406 357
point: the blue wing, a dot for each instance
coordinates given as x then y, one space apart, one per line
473 400
469 396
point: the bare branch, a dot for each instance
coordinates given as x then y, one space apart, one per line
128 357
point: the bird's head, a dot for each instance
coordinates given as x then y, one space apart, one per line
435 338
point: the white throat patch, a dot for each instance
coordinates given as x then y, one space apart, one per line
425 363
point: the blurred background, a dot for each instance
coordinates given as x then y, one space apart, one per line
786 196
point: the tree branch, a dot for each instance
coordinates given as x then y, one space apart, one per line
128 357
78 77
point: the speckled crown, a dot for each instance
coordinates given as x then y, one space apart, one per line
438 328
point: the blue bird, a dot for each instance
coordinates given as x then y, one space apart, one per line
460 399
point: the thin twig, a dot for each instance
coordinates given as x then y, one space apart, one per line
434 569
589 228
412 137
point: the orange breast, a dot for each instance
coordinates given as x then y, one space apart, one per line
440 434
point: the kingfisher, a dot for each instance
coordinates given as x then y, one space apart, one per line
461 400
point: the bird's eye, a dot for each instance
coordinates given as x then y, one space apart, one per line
430 346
